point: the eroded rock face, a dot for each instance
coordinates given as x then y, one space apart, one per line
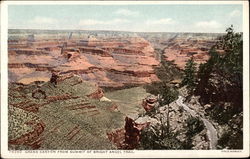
181 50
133 132
110 62
129 137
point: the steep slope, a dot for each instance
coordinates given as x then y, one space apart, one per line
68 115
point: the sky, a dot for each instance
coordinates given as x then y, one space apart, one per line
137 18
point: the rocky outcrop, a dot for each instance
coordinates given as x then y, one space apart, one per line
71 54
98 94
129 137
150 103
39 66
95 51
127 51
132 73
133 132
61 97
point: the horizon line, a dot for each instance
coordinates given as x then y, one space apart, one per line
122 31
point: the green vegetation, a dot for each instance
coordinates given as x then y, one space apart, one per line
167 70
166 73
189 74
222 73
220 84
193 127
227 66
157 137
91 118
128 100
168 93
232 62
229 136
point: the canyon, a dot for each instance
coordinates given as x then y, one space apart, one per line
75 89
111 59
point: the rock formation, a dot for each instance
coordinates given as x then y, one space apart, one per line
180 50
111 62
129 137
150 103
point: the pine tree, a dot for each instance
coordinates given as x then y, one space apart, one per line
189 74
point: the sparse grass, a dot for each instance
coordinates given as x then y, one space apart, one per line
128 100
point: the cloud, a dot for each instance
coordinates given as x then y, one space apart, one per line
212 24
101 22
38 22
160 21
126 12
43 20
235 13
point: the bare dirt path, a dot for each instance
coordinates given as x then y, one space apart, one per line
211 131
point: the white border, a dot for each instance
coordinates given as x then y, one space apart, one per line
122 2
137 153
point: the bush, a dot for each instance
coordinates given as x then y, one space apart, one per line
156 138
194 126
232 139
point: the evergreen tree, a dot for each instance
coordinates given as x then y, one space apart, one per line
220 84
189 74
231 63
227 65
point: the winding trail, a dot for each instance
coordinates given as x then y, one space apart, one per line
211 131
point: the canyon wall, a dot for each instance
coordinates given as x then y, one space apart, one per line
108 61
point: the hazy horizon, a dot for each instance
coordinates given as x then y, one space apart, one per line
128 18
120 31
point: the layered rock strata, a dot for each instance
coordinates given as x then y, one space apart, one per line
110 62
